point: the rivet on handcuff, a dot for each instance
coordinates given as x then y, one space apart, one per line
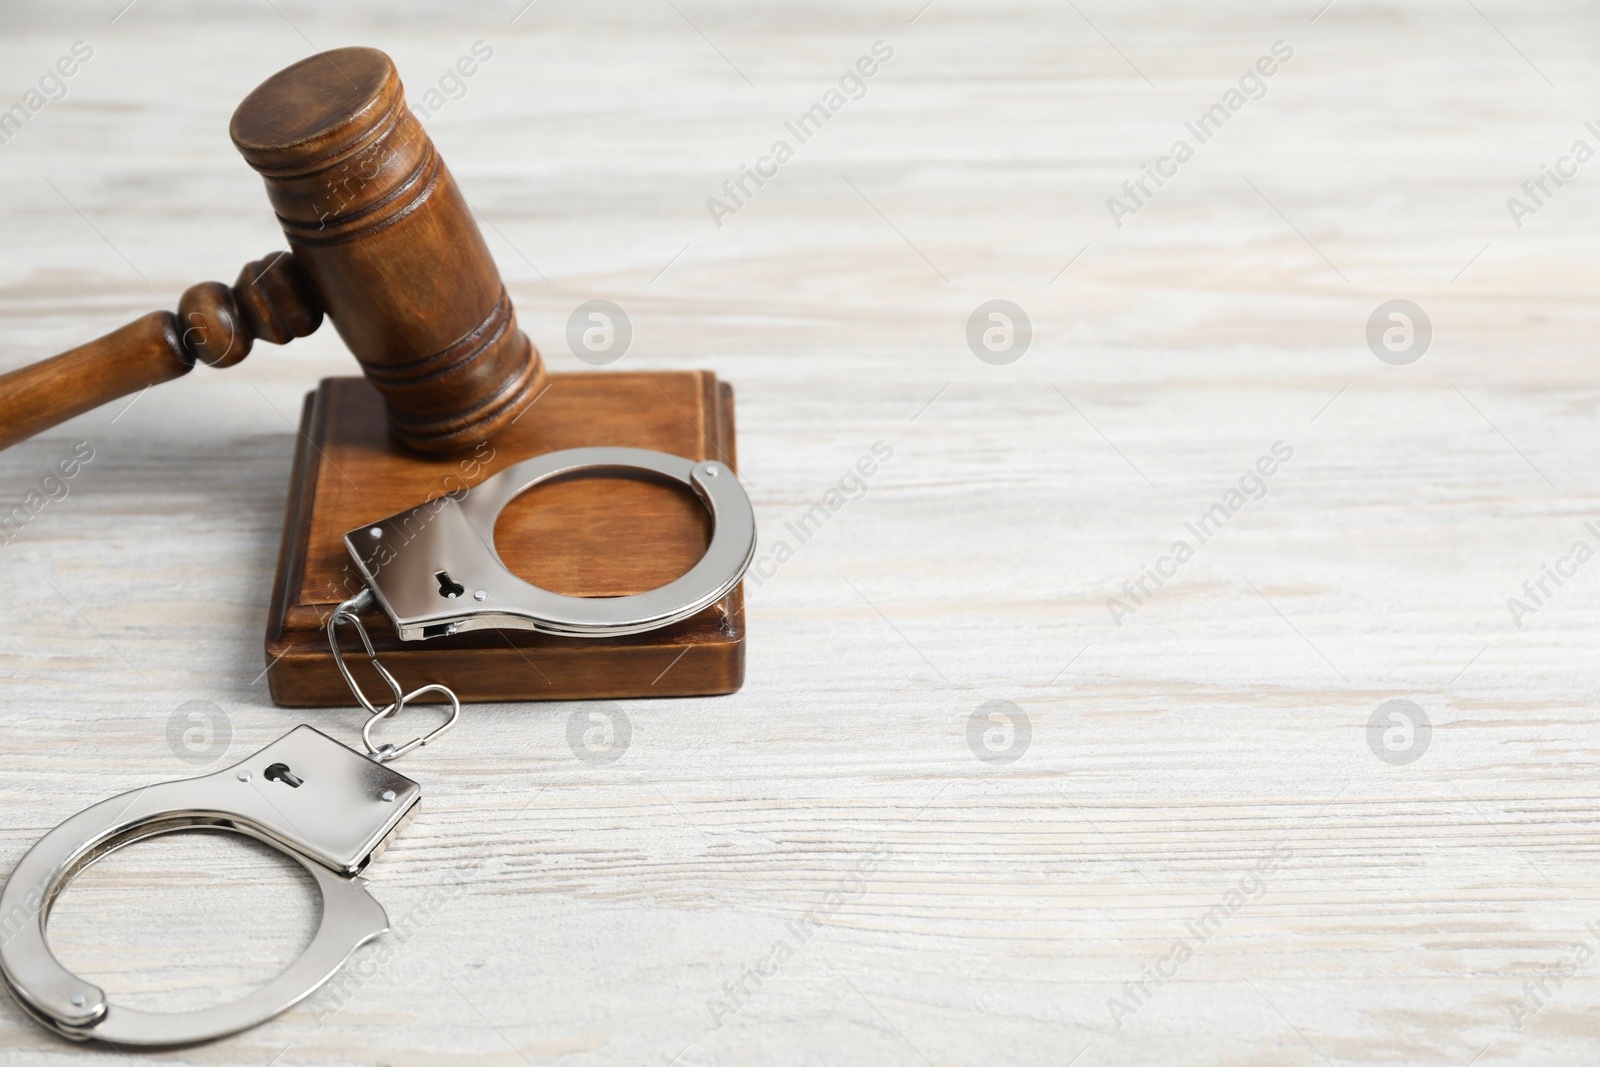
324 804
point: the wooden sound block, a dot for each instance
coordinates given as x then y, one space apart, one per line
607 535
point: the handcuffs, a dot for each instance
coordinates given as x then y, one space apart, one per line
433 570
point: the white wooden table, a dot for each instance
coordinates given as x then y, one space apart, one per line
558 909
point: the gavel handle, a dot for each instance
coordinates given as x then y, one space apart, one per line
215 325
143 353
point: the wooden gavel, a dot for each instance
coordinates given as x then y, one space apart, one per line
380 239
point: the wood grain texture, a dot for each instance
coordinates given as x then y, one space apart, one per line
380 237
214 325
558 910
390 246
599 536
145 352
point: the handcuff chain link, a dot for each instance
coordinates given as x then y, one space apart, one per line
349 611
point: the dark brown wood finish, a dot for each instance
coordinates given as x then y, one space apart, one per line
379 226
214 325
599 536
381 240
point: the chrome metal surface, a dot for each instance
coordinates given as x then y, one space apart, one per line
348 612
334 822
421 562
385 753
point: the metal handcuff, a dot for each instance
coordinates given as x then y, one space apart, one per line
433 570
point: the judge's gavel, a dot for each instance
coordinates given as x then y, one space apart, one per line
380 239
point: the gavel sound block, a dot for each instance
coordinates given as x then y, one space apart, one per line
604 536
382 242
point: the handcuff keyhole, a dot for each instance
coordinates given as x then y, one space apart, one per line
448 587
280 772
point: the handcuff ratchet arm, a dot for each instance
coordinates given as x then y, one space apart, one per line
342 813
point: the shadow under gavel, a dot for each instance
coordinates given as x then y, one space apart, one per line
380 240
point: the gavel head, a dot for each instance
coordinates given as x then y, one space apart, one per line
387 244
